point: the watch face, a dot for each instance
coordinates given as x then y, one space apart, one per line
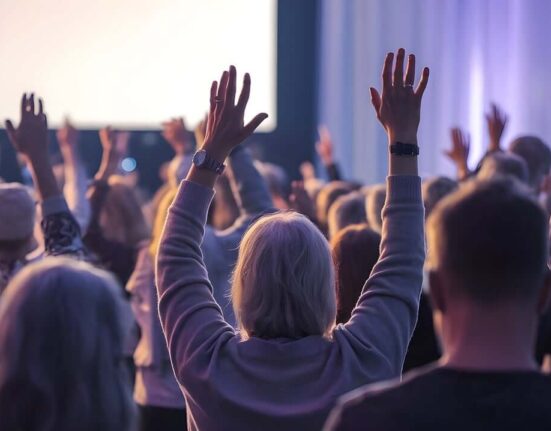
199 158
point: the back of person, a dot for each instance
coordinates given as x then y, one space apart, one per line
489 282
440 398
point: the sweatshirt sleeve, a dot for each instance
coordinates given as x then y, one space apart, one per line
385 315
249 188
191 320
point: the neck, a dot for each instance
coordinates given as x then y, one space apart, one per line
498 338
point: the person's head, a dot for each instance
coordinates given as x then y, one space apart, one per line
62 334
434 189
355 251
502 164
283 284
537 156
346 210
278 183
17 219
488 249
122 218
374 204
327 196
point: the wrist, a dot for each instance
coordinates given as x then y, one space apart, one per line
405 137
218 154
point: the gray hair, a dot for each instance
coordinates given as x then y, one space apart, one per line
500 164
283 284
374 204
348 209
61 350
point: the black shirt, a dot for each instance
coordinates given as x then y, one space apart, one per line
437 398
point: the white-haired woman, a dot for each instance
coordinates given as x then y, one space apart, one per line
289 363
61 358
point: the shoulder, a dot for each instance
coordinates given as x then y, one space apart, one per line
382 399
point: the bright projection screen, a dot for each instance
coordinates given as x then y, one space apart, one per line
134 63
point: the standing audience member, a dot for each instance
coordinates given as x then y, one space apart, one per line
355 251
346 210
117 226
61 360
489 280
61 232
289 362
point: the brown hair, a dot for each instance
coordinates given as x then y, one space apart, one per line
355 251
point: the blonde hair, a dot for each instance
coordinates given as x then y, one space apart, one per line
61 350
283 285
160 217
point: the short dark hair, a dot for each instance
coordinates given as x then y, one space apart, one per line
491 236
355 251
537 156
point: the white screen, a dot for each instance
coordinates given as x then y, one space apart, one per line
134 63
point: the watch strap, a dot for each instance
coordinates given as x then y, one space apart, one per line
404 149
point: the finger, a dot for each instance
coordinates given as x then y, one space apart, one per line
375 99
230 89
220 102
30 107
249 129
399 68
410 71
245 92
222 86
213 90
23 104
422 83
40 107
387 71
323 131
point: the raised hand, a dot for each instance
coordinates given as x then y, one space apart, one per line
497 121
30 138
324 146
67 136
115 148
307 171
175 133
459 152
398 107
225 124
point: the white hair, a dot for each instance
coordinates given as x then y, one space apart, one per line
61 350
348 209
374 204
283 284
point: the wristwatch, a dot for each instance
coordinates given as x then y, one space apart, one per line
402 149
202 160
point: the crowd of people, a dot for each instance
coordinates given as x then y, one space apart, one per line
236 299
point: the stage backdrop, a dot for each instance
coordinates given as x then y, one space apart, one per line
478 51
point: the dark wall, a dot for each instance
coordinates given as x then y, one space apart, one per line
289 145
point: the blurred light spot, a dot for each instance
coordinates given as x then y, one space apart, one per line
129 164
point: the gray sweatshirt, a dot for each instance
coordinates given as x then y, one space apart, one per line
283 383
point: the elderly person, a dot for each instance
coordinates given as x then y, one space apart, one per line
289 363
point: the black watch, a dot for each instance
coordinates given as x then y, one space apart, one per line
402 149
202 160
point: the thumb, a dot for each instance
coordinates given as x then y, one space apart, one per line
10 131
375 99
249 129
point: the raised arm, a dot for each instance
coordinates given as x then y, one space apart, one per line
459 152
76 181
385 316
324 148
192 321
30 138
